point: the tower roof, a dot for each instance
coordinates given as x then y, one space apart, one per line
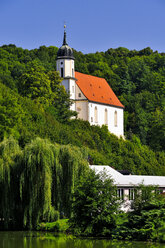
97 90
65 51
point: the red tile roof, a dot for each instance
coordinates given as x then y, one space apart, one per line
97 89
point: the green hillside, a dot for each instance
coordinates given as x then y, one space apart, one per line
34 104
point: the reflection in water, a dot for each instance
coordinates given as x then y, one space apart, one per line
47 240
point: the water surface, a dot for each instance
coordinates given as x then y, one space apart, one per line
48 240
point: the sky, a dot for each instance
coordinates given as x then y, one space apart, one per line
92 25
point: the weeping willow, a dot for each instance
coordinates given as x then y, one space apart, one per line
38 181
9 151
57 180
74 164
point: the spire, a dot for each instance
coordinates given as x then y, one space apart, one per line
65 51
64 40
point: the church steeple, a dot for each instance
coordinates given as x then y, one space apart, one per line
65 51
64 40
65 59
65 66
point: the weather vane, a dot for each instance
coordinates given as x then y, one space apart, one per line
65 25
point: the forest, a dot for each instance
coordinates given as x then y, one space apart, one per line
137 78
41 145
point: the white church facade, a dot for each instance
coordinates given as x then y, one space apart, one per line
93 98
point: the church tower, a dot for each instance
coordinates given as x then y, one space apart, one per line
65 66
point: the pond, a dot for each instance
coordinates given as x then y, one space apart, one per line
48 240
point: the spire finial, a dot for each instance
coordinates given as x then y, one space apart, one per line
64 40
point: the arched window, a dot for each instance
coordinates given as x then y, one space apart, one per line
72 89
106 117
96 115
115 119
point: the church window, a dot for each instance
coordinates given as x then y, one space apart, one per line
96 115
72 89
62 72
91 119
106 117
72 72
115 119
79 94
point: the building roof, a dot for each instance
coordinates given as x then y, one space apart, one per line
129 180
97 89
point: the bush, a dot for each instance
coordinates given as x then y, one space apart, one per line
57 226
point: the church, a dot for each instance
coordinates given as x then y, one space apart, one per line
93 98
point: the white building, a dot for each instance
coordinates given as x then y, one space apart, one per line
93 99
126 184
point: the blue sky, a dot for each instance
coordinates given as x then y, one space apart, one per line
92 25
